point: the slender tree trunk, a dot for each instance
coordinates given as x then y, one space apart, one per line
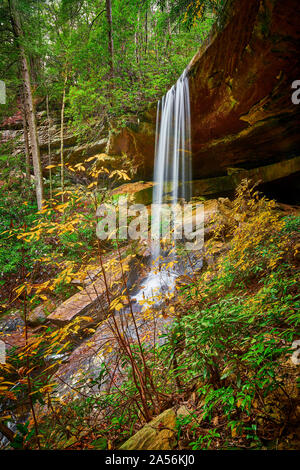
49 146
33 133
35 65
29 105
62 163
26 136
146 31
169 21
110 36
136 41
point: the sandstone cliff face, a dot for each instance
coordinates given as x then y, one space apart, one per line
137 142
240 87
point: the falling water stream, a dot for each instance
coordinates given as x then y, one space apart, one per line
172 179
172 164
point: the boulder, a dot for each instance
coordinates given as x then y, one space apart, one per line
137 193
296 354
159 434
92 301
39 315
92 297
11 322
12 329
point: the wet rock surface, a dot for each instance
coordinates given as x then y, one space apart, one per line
12 330
11 322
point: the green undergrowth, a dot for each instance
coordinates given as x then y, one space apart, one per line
234 343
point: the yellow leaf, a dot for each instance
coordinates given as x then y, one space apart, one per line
50 166
94 183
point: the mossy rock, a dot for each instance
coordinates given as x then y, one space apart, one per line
159 434
38 316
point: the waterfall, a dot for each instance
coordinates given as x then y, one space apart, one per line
172 180
172 163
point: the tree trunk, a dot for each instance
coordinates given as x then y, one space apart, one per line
136 47
136 39
26 136
62 163
29 106
32 132
169 21
146 31
110 36
49 146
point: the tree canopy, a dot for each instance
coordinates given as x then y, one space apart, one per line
113 67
